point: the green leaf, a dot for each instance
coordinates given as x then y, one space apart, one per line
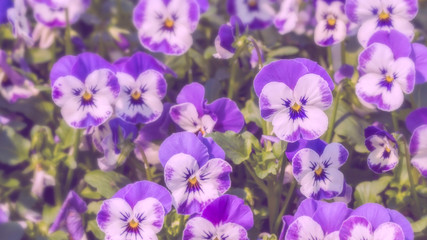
67 134
237 147
11 231
106 183
283 51
267 165
92 226
370 191
420 225
251 113
38 55
58 235
14 148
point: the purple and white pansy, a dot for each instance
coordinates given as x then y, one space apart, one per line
227 35
194 114
194 170
227 217
319 174
379 15
52 13
135 212
286 19
84 87
332 22
292 95
385 77
416 122
142 88
166 25
384 154
20 24
256 14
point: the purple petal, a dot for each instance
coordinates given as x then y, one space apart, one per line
192 93
285 71
229 117
87 63
62 68
215 151
345 71
398 42
356 228
203 4
226 37
398 218
74 202
4 6
141 62
159 129
229 208
138 191
416 118
317 145
331 216
74 225
419 56
126 129
315 68
375 213
192 146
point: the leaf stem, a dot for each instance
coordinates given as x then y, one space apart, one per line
289 196
411 180
146 164
258 181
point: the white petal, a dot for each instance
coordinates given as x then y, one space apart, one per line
303 228
303 161
272 99
389 231
198 228
313 89
404 69
185 116
232 231
315 125
114 215
152 212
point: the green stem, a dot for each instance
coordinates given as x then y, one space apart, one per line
411 180
146 164
395 121
189 65
75 155
330 64
289 196
181 224
272 205
68 45
258 181
329 133
258 52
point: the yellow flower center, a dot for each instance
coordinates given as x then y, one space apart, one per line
296 107
387 149
87 96
332 21
389 79
193 181
216 238
319 171
136 95
169 23
384 16
133 224
252 3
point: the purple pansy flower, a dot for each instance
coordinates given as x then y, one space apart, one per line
385 77
52 13
70 216
416 122
13 85
318 174
256 14
4 6
106 139
332 22
85 87
378 15
287 17
315 220
195 171
142 88
194 114
373 221
18 20
166 25
345 71
384 154
227 217
402 47
292 95
135 212
203 5
226 37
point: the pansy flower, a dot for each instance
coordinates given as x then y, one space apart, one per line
332 22
227 217
373 221
195 171
315 220
227 35
385 77
384 154
142 88
256 14
292 95
135 212
319 174
53 13
84 87
20 24
194 114
401 46
416 122
13 85
345 71
378 15
287 17
69 217
166 26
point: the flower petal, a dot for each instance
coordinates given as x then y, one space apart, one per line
379 163
228 115
315 125
114 213
419 150
152 213
312 90
186 117
335 154
198 228
416 118
389 231
304 227
272 99
232 231
303 161
356 228
375 58
192 93
375 213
